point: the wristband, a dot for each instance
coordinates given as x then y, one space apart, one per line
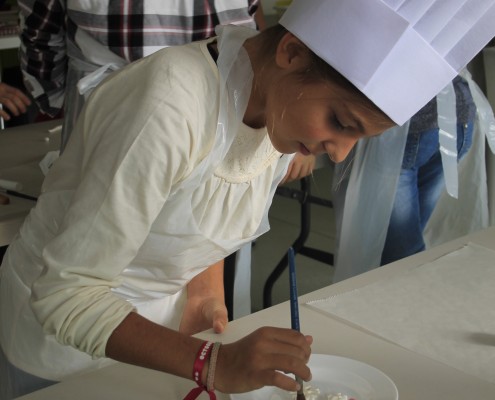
210 379
203 355
199 363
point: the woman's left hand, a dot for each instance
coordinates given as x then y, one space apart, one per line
203 314
205 307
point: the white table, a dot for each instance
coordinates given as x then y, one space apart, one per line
21 150
416 376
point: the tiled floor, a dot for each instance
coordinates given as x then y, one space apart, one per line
285 225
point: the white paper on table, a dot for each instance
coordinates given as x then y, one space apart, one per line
444 310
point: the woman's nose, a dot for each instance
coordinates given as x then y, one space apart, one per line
342 149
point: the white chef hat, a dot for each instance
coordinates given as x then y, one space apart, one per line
399 53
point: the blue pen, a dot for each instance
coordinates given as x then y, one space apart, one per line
294 310
294 307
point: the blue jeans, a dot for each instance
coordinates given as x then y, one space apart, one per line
420 184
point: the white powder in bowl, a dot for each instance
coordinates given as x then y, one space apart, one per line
312 393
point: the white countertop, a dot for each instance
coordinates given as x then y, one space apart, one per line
416 376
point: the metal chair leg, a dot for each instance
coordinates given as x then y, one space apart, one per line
305 199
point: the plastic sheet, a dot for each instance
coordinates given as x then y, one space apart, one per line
453 218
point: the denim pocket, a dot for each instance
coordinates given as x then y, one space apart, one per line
420 148
464 138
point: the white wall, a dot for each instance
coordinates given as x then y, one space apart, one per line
268 6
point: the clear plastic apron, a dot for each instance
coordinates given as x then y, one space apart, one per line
364 196
468 213
88 66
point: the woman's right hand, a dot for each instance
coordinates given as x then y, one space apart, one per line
300 167
257 359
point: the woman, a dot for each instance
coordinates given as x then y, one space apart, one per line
122 184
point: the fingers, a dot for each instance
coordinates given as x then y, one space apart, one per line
14 100
288 176
281 373
300 167
286 342
215 313
268 377
210 312
4 115
258 359
220 319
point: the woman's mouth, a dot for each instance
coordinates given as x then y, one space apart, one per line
304 150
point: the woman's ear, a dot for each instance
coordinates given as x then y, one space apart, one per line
291 52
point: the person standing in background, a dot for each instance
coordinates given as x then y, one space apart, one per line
422 177
64 42
401 176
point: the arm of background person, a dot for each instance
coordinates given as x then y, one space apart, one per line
43 52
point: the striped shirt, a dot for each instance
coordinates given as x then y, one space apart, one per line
55 31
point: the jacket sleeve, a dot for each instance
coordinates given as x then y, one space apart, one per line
131 146
43 52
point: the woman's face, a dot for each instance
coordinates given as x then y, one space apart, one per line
316 119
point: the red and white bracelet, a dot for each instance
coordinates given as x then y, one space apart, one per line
207 351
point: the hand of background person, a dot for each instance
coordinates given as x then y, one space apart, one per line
257 359
13 100
299 167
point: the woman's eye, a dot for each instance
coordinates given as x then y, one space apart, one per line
336 123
